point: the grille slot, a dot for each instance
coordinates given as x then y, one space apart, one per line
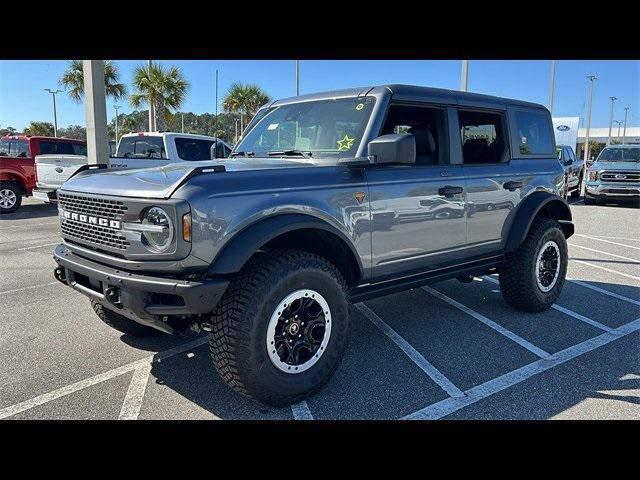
97 236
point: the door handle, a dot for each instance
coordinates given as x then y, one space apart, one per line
449 191
513 185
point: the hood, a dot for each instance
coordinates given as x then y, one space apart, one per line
616 166
161 182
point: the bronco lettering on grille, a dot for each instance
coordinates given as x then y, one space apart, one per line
91 220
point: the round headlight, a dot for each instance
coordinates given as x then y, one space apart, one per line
160 234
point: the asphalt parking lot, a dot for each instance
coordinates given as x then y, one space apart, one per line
450 351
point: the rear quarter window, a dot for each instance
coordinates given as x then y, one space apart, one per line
533 133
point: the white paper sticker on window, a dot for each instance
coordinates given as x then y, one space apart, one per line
523 140
273 126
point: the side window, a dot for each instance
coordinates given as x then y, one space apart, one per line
193 150
79 149
141 147
534 133
482 137
427 125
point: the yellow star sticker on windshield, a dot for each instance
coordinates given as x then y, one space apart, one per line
345 143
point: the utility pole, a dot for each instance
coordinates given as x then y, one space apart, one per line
95 109
55 114
151 112
591 79
116 108
624 131
216 95
613 101
183 123
297 78
553 85
464 75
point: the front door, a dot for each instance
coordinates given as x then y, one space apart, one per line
417 211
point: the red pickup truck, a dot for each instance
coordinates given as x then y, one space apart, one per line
17 164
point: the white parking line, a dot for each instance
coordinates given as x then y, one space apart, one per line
606 241
28 288
637 262
615 238
301 411
102 377
490 323
448 406
135 394
571 313
602 290
606 269
433 373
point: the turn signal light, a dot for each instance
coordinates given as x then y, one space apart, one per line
186 227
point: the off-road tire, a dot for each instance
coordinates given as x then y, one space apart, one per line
17 192
122 323
518 282
240 321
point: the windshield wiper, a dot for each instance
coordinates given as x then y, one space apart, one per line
242 153
293 152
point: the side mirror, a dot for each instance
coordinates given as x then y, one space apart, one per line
393 148
217 150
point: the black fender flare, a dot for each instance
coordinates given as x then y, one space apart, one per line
527 211
243 245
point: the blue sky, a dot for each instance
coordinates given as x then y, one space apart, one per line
22 98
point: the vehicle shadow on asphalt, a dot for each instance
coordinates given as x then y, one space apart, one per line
32 211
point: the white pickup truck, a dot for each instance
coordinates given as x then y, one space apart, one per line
135 150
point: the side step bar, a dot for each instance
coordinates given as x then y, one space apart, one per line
475 268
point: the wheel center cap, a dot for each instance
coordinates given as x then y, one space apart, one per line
294 328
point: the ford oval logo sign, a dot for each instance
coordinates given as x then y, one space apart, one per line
59 169
563 128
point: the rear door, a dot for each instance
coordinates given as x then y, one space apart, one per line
494 183
417 211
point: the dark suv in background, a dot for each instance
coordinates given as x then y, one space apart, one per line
328 199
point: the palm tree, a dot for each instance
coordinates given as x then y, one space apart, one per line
245 100
44 129
73 81
162 88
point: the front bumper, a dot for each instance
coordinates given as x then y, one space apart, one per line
613 190
151 301
45 194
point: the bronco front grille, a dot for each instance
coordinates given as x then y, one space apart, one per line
620 177
99 207
83 232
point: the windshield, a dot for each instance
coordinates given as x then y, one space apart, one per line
619 154
323 129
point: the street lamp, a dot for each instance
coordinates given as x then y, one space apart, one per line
624 131
116 107
297 78
619 122
591 79
464 75
613 101
55 115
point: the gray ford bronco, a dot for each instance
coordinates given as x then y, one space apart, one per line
328 199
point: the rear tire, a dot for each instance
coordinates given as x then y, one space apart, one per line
10 197
250 342
531 280
122 323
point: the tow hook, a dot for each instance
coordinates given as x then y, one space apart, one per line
112 295
60 275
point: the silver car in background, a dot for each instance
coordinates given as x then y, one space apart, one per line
615 175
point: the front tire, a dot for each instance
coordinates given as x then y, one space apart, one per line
532 277
10 197
281 328
122 323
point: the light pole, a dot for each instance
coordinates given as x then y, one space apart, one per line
613 101
619 122
624 130
116 108
464 75
553 85
183 123
55 114
297 78
151 112
591 79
